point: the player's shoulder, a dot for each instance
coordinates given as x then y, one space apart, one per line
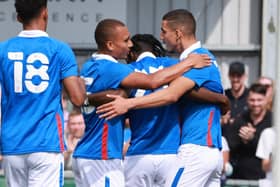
59 43
203 50
167 61
8 41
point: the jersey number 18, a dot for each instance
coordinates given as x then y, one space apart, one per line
31 72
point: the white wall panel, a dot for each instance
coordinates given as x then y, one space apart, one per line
245 22
229 28
221 24
198 9
179 4
230 17
146 16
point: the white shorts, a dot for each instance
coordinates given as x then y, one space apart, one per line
97 173
147 170
35 169
200 166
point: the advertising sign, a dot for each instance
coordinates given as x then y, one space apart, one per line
72 21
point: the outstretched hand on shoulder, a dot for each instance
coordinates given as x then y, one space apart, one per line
198 60
114 108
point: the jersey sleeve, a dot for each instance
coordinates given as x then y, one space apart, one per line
115 73
199 76
69 65
167 62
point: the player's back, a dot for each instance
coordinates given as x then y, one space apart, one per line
32 68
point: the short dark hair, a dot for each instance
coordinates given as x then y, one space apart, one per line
29 9
236 68
258 88
105 30
147 42
183 18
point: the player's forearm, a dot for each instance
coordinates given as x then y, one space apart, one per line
166 75
75 89
97 99
159 98
204 95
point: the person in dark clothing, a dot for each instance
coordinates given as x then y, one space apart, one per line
238 92
246 130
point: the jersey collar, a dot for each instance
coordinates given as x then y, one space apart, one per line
32 33
187 51
97 56
144 55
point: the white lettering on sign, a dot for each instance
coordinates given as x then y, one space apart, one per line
72 21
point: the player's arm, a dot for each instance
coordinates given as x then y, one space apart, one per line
75 89
165 96
206 96
97 99
166 75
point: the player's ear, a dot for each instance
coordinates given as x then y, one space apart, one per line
19 19
179 34
44 13
110 45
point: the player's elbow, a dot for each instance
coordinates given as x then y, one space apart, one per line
171 98
78 99
155 83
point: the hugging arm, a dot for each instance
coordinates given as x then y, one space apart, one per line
206 96
162 97
97 99
166 75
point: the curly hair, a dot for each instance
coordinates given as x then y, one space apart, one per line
147 42
29 9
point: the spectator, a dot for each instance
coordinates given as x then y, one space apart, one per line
238 92
264 152
75 129
244 137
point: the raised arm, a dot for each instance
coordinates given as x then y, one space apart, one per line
166 75
206 96
162 97
97 99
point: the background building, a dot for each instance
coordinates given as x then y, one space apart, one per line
242 30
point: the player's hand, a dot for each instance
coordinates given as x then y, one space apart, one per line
198 60
225 118
225 107
114 108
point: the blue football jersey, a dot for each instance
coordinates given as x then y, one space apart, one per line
154 130
33 66
201 121
102 139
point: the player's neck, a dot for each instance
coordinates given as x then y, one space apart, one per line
36 24
34 27
187 42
